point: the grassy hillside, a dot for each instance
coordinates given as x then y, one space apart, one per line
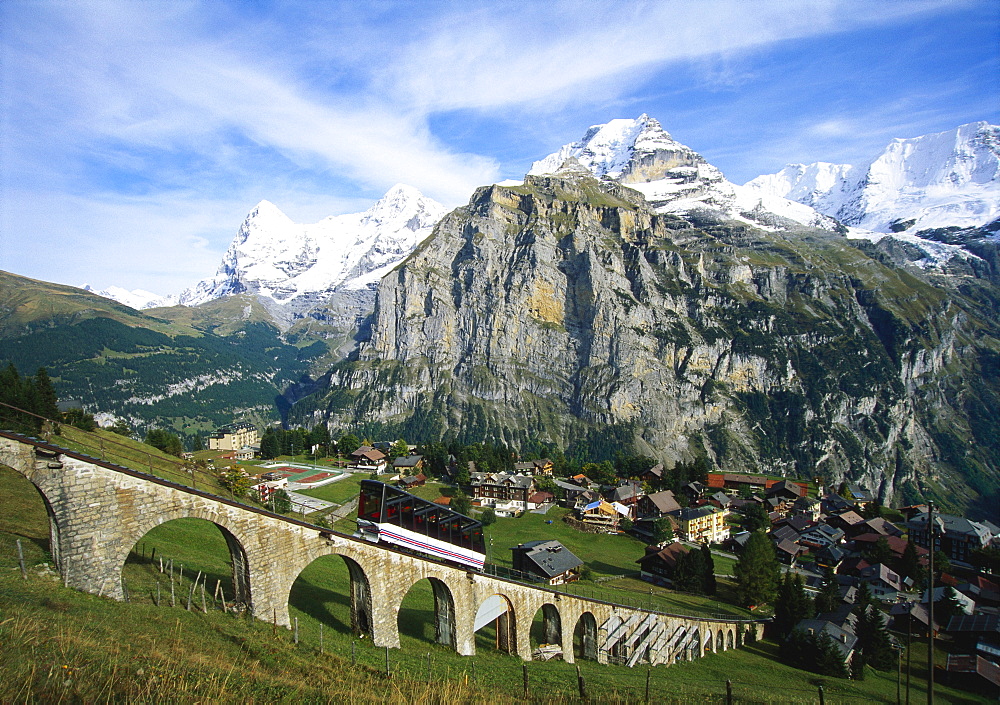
29 304
62 645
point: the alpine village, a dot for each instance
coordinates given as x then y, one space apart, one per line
728 446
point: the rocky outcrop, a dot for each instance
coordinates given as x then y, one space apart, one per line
568 310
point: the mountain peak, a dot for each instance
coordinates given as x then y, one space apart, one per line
949 178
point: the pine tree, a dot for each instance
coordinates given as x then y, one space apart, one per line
792 605
46 395
829 594
689 572
757 571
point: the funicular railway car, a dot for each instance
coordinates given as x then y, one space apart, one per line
390 515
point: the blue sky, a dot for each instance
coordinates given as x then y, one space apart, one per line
136 136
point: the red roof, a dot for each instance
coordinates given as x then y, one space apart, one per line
541 497
716 480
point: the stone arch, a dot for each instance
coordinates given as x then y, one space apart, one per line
19 462
498 609
444 611
729 639
707 641
358 594
242 594
551 627
720 642
585 637
694 646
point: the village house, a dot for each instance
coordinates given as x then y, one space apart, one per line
368 458
859 495
548 560
705 524
657 504
235 436
411 482
654 476
658 565
408 464
600 514
822 535
542 466
786 489
956 536
807 507
883 582
627 493
504 491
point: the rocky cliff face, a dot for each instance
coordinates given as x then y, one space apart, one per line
568 310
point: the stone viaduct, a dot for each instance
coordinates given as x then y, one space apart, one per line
98 511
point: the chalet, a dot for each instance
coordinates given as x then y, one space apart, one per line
368 458
502 490
807 507
600 514
542 466
956 536
412 481
654 475
833 503
234 437
788 551
658 565
720 500
845 520
695 489
540 498
570 492
910 617
895 544
822 535
883 582
829 557
734 481
785 533
706 524
586 497
548 560
878 525
799 522
657 504
786 489
627 493
411 464
581 480
859 495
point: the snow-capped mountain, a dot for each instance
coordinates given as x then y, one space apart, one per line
944 179
295 264
673 177
137 298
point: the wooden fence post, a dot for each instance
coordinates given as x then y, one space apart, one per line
20 560
580 683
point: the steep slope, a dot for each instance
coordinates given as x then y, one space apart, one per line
673 177
568 310
945 179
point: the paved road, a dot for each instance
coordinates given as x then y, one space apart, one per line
311 504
